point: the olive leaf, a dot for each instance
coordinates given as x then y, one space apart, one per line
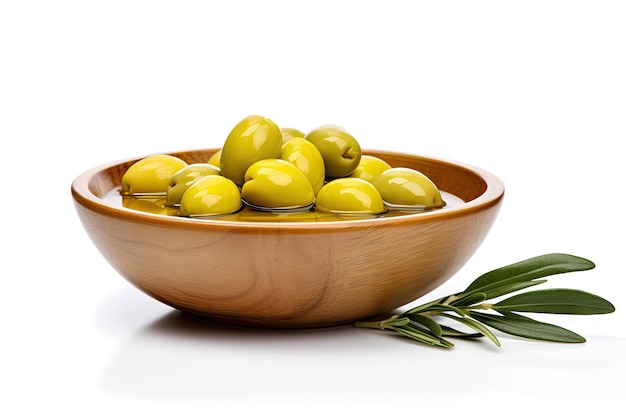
556 301
528 328
468 307
517 276
451 332
476 326
469 299
428 323
422 336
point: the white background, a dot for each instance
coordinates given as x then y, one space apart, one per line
532 91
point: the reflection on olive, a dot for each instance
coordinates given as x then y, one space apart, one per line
253 139
181 180
276 183
307 158
349 196
151 175
340 150
408 187
149 205
369 168
210 195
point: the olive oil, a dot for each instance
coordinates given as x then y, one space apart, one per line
157 204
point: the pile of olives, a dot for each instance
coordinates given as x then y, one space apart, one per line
268 169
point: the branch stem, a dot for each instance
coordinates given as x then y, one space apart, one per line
382 324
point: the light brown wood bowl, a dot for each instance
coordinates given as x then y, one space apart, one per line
291 275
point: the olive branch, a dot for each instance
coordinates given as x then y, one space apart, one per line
470 306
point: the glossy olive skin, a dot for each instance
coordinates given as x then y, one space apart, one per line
369 168
182 180
408 187
349 196
290 133
340 150
253 139
307 158
215 158
209 196
276 183
151 175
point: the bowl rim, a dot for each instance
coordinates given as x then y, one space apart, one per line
83 196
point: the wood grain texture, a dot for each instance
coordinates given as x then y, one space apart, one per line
291 275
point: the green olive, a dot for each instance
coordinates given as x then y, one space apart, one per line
340 150
276 183
408 187
151 175
253 139
307 158
181 180
349 196
370 167
210 195
290 133
215 158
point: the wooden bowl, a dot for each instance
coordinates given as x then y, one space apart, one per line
291 274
